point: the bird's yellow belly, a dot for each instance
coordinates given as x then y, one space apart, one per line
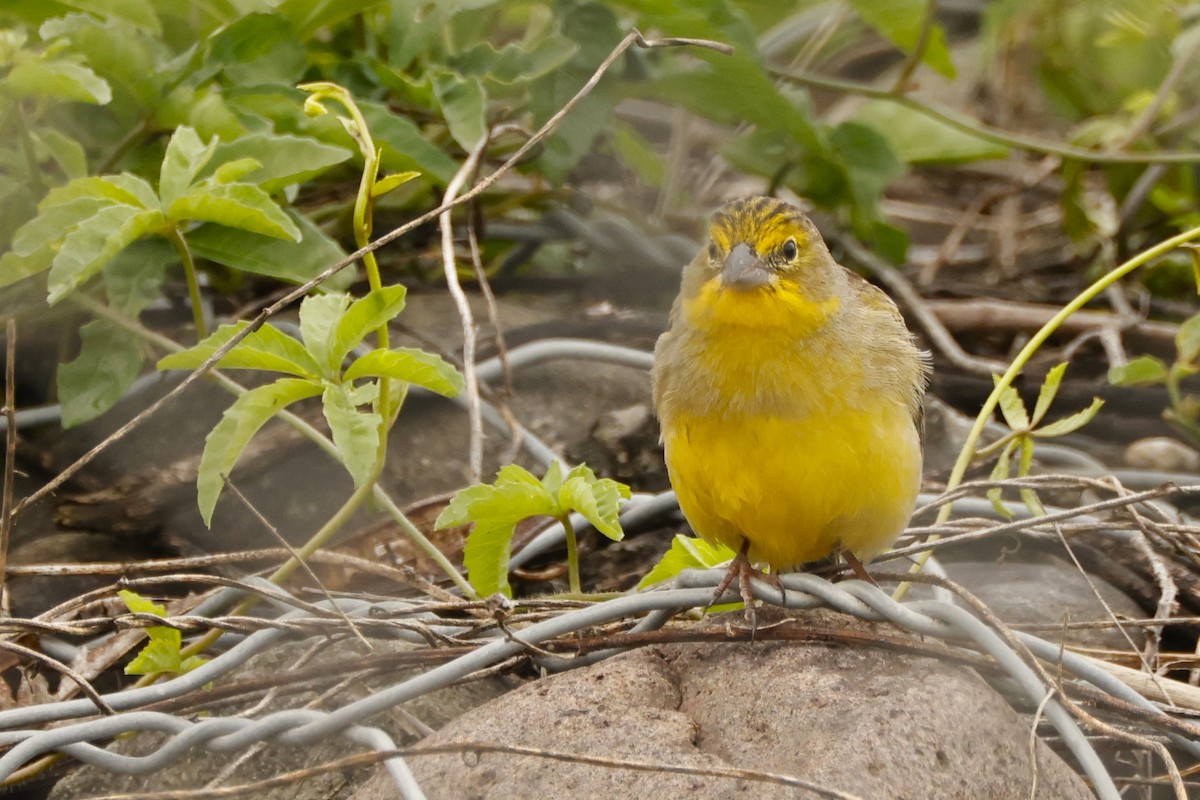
797 488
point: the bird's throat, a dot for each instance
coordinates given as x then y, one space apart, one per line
779 309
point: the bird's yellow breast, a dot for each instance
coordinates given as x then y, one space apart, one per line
778 429
797 488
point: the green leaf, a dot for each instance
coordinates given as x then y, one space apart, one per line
137 12
597 500
140 605
54 223
132 61
267 348
1187 340
126 189
390 182
161 653
294 262
134 278
686 553
1013 409
1048 391
899 21
1141 371
553 479
739 90
15 268
191 662
411 366
235 170
870 167
355 433
256 49
235 205
1072 423
284 159
462 101
68 153
108 362
186 155
494 510
1029 496
364 316
639 155
229 437
917 138
1001 472
95 242
309 16
320 316
61 79
515 62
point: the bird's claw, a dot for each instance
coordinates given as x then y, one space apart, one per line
743 571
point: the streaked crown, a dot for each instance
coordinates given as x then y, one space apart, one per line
764 223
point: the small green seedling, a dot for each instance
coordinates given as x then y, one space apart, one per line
331 326
163 653
1151 371
1024 430
493 510
687 552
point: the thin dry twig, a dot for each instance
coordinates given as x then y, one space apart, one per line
477 748
450 267
266 523
1033 740
56 665
633 38
1047 519
1140 656
485 286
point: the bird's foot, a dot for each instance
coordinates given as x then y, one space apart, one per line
743 571
860 571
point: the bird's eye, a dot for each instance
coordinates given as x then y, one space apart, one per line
790 251
713 251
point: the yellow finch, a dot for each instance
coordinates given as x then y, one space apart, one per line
789 393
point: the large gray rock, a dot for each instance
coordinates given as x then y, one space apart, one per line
871 722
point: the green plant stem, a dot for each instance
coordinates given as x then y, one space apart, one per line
967 454
381 498
174 235
363 225
122 147
1177 410
918 53
38 187
971 126
1001 443
575 587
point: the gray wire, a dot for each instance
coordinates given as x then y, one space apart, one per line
926 617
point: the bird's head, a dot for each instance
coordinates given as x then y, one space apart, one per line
765 265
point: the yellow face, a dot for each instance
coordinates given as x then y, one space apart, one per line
776 232
765 267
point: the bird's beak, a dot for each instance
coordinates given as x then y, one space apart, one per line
743 269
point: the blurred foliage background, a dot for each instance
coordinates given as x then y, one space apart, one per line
844 103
